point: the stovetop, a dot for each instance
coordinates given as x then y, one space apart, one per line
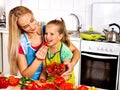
101 46
102 39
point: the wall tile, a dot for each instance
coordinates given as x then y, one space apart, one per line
79 5
30 4
44 15
50 9
61 4
44 4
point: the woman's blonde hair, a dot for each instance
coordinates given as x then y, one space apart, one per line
62 30
14 36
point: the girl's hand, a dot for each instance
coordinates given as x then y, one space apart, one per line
41 53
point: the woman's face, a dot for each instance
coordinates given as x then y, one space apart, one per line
52 36
28 23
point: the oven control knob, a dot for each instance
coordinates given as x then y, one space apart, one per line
102 49
106 50
89 48
99 48
111 50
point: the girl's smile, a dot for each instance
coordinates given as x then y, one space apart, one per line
52 36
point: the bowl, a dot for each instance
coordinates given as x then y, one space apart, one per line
56 70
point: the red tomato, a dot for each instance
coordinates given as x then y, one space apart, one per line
13 81
66 86
49 69
42 80
62 65
59 80
82 87
44 43
56 69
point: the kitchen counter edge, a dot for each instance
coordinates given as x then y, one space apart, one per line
3 30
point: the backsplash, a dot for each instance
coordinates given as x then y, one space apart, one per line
45 10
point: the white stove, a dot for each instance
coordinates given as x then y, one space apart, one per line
100 47
97 58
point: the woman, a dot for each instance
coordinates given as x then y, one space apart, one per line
26 33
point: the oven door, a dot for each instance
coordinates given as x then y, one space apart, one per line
99 70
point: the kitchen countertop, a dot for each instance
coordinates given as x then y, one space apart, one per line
8 88
72 37
3 30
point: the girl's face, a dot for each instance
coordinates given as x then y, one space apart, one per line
52 36
28 23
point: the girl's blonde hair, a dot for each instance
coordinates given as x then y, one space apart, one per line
62 30
14 36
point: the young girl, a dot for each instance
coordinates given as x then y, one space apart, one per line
57 38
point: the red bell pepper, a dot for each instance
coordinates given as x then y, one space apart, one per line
82 87
59 80
3 82
34 86
66 86
49 86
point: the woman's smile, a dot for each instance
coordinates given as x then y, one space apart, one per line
34 29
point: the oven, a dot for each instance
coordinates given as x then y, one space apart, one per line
100 64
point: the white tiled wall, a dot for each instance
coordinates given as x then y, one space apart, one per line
45 10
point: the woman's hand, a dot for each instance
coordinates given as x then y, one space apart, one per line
41 53
69 68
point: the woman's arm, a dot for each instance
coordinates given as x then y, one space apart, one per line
43 73
76 54
26 70
67 76
74 60
29 71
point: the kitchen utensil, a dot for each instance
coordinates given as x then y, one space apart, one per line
90 35
112 35
2 7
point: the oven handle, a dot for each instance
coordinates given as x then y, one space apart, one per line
98 56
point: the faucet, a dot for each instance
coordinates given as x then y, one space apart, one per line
78 22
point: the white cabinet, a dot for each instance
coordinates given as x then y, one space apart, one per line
76 42
1 66
6 66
